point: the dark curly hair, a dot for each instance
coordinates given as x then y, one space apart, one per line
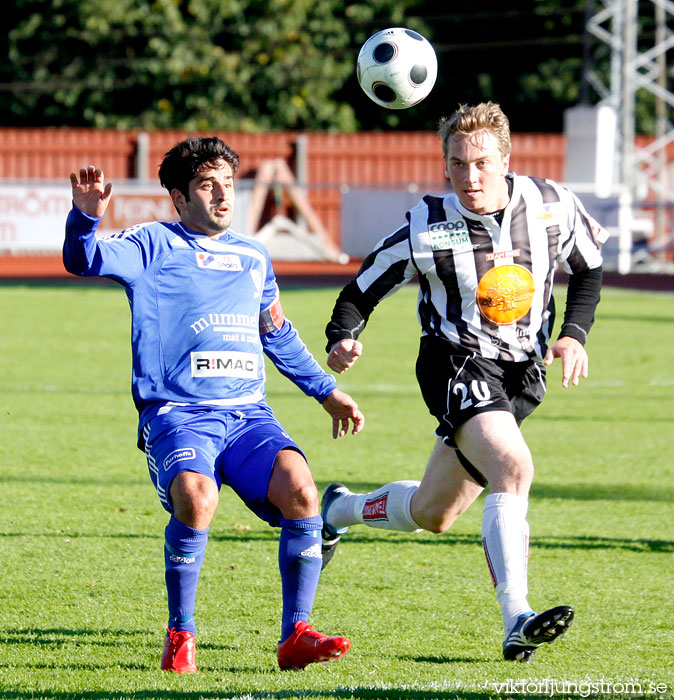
187 158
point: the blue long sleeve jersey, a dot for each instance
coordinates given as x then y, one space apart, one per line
202 313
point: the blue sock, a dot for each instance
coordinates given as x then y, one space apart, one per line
184 550
300 561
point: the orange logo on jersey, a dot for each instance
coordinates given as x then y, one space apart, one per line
504 294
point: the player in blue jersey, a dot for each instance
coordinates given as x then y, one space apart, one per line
205 307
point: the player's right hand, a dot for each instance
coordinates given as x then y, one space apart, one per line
90 194
343 409
344 354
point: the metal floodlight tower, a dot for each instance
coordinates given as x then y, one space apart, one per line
633 67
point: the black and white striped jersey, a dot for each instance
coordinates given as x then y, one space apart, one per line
485 281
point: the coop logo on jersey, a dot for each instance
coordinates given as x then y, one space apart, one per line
214 261
178 456
449 234
376 508
224 363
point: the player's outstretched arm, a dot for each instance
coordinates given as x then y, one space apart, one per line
90 193
575 362
343 409
344 354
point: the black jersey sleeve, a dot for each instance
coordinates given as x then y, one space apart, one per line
350 314
581 301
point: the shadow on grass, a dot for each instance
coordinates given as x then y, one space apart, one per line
58 637
573 491
604 492
442 659
369 536
576 542
606 420
71 480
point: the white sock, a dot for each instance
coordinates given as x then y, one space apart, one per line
387 507
505 538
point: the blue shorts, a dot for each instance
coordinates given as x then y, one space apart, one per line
233 447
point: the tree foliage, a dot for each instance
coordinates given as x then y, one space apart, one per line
195 64
278 64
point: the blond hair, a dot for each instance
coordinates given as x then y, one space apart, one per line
486 116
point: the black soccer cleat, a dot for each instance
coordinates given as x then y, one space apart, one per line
532 630
330 536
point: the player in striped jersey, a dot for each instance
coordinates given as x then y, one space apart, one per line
204 307
485 256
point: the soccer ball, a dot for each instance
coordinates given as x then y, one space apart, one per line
397 68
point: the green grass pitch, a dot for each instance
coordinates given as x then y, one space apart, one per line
83 602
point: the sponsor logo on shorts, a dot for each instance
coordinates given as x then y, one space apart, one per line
225 263
224 363
376 508
178 456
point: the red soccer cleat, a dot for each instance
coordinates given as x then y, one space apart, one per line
306 646
179 652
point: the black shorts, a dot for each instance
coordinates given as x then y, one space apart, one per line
457 384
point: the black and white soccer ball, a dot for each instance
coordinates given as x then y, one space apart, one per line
397 68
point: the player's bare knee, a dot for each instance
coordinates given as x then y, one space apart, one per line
524 474
196 509
195 499
515 477
306 498
300 501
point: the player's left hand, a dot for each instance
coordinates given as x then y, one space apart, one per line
575 362
343 409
